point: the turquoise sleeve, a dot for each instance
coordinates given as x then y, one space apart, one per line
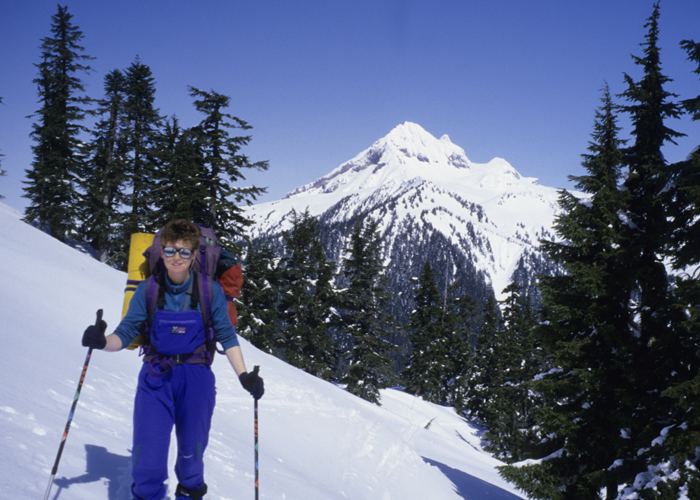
225 331
130 325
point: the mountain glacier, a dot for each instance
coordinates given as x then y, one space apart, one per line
477 223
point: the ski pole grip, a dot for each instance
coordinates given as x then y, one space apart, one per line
256 369
99 318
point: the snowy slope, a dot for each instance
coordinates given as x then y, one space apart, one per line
490 214
316 440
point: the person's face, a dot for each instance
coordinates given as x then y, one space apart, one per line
178 268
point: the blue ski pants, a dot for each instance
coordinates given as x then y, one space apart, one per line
184 397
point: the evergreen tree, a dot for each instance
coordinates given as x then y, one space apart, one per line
515 360
259 320
104 176
505 359
224 165
364 315
482 374
51 182
680 439
459 327
178 188
663 350
585 328
463 353
307 300
142 126
686 206
610 324
428 368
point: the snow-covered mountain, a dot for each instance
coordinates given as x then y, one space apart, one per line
317 442
479 223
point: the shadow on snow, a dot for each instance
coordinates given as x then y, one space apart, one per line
470 487
101 464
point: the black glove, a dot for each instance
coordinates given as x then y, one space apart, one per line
94 335
252 383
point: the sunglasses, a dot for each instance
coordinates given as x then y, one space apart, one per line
185 253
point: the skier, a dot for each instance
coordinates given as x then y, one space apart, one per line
176 385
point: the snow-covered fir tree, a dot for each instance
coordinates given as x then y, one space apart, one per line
515 359
428 368
584 328
685 206
664 350
481 372
675 464
307 300
363 315
614 325
467 328
259 320
504 359
459 323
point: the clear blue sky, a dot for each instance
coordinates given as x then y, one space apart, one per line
321 80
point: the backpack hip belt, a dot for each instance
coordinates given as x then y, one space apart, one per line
200 356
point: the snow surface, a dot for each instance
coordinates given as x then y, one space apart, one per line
316 440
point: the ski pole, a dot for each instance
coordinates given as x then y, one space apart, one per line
72 411
257 485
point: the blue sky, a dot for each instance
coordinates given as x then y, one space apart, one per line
321 80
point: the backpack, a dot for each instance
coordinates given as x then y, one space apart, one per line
212 262
230 276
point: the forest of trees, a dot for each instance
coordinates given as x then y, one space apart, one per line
616 395
135 168
593 393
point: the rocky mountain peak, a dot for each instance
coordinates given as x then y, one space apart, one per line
482 222
405 153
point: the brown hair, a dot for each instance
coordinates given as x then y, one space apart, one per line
181 229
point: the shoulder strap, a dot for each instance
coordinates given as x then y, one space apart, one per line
154 292
206 293
192 299
208 256
205 289
155 289
152 255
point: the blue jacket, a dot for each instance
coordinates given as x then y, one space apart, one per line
130 326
